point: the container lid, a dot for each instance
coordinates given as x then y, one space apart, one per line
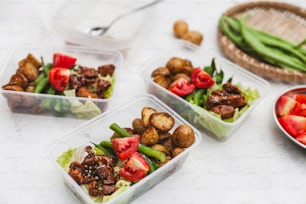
75 19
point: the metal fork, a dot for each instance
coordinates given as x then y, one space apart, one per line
101 30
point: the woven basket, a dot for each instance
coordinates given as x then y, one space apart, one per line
282 19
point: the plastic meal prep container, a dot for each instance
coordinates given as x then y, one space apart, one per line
75 19
26 102
197 116
97 129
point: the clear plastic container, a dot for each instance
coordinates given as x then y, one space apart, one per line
75 19
197 116
97 129
26 102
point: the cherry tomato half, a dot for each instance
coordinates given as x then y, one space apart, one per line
135 169
201 79
59 78
62 60
125 147
181 87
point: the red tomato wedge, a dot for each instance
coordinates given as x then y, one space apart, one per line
125 147
301 98
59 78
62 60
285 105
135 169
301 138
294 125
181 87
201 79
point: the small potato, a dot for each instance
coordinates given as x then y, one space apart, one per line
22 62
161 148
176 151
161 121
180 75
12 87
138 125
145 115
194 37
30 71
187 70
161 71
162 80
33 60
149 136
164 135
30 88
183 136
175 65
19 79
180 28
168 143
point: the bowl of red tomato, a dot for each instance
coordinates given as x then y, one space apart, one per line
289 112
65 81
213 94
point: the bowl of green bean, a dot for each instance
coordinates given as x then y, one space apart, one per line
258 37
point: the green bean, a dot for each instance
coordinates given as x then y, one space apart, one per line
39 78
262 50
198 97
107 144
269 40
232 36
51 90
41 85
120 131
152 152
46 68
104 151
272 42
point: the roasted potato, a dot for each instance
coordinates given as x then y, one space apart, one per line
33 60
162 80
179 65
194 37
19 79
168 143
162 121
145 115
149 136
175 65
12 87
176 151
160 71
164 135
138 125
180 75
30 88
180 28
183 136
30 71
161 148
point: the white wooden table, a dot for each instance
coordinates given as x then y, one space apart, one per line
256 165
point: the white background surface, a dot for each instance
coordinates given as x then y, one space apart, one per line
256 165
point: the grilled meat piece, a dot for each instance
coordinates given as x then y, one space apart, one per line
226 111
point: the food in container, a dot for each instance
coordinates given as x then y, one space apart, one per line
71 81
153 163
194 60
